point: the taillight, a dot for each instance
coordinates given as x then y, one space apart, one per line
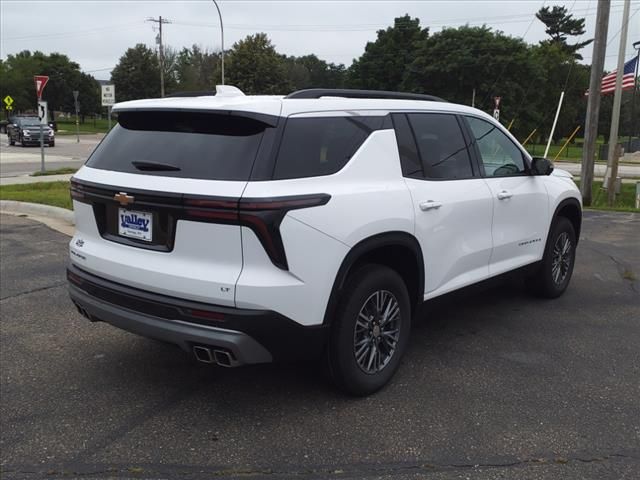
262 215
76 191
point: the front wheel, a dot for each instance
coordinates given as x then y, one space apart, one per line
370 333
552 277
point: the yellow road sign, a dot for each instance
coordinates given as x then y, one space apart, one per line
8 100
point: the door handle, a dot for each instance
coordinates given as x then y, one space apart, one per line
504 194
430 205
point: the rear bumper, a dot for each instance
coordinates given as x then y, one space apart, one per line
251 336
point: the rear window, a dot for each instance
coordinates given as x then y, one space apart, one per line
316 146
181 144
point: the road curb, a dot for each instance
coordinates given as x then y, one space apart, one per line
59 219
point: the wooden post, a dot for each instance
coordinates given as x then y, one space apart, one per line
611 187
567 142
529 137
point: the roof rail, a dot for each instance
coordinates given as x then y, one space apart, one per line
349 93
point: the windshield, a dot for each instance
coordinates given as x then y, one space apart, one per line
29 122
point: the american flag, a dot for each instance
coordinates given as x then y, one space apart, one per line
608 84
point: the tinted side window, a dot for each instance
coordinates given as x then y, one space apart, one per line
500 156
441 145
198 145
317 146
409 158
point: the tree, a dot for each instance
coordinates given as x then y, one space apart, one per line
309 71
255 67
197 69
17 74
455 61
137 74
560 26
382 65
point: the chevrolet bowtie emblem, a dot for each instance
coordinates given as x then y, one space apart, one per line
123 198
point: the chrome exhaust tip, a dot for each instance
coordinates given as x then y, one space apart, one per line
223 358
203 354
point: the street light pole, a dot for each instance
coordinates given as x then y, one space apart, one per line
221 38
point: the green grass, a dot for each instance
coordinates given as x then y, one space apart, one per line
68 126
48 193
625 202
573 151
57 171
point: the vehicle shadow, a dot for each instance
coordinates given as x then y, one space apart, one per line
436 324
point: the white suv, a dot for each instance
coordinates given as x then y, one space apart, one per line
248 229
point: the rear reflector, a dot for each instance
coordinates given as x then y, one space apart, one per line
207 315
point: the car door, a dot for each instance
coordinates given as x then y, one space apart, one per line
452 203
521 209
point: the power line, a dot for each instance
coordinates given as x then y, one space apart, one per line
516 18
74 33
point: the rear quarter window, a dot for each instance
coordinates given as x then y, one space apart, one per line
316 146
199 145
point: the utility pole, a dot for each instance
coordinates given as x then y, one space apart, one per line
593 105
160 21
614 151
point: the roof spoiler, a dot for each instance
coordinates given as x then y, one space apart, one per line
221 91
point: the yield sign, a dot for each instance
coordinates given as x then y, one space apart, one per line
41 81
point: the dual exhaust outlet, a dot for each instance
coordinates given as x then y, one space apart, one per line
213 355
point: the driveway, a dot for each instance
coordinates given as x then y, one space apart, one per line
495 384
17 160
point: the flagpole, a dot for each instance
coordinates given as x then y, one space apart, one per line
615 114
636 46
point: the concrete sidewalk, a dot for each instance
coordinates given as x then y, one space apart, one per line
23 179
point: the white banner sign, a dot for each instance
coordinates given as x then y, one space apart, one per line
108 95
42 112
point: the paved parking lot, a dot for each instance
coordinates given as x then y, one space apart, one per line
17 160
495 384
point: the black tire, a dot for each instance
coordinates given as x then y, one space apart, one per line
361 287
22 142
549 281
52 144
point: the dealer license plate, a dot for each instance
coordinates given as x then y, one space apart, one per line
135 224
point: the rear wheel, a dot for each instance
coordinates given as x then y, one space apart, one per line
552 277
371 330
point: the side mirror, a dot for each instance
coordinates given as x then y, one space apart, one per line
541 166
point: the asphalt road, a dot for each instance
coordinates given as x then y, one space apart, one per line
495 385
17 160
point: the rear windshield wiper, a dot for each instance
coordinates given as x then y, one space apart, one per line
154 166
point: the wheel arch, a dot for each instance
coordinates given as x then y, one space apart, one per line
397 250
571 209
